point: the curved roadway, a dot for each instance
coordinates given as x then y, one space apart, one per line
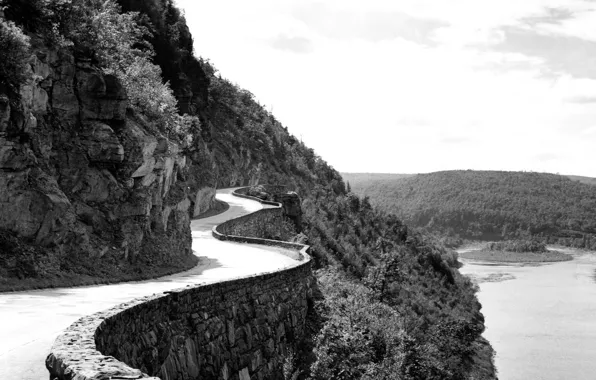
30 320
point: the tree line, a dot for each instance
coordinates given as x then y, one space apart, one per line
491 205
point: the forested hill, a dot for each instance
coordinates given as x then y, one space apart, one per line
490 204
359 180
582 179
114 134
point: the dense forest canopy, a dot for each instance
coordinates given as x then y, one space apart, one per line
491 204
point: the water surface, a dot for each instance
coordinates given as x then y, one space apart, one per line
541 319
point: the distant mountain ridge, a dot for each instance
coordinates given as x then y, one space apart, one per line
360 178
582 179
489 204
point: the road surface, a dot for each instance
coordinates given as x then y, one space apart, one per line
31 320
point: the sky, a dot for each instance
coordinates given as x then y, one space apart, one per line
415 86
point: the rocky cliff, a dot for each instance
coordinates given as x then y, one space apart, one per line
87 186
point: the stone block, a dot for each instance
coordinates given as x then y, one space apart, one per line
101 143
244 374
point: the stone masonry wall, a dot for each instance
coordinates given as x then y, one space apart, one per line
234 330
238 329
253 224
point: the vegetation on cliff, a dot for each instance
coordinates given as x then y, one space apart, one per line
392 305
375 271
15 45
491 205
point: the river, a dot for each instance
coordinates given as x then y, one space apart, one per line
540 319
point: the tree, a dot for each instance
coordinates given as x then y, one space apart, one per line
14 46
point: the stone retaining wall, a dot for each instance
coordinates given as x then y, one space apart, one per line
272 189
238 329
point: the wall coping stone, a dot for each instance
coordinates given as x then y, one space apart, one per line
74 355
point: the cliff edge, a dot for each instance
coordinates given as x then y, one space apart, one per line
87 186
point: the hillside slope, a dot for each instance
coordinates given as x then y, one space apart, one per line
491 204
582 179
358 180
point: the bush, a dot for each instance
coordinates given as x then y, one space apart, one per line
146 92
361 338
115 40
14 46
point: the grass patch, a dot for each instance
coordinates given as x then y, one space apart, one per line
516 257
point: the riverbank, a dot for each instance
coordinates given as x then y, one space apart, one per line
515 257
540 321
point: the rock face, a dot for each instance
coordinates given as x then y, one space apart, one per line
204 200
291 204
86 180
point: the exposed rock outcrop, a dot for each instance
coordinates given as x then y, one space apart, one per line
291 204
90 182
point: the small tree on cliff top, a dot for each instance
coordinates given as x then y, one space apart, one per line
116 40
14 46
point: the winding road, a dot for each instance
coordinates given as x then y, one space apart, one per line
30 320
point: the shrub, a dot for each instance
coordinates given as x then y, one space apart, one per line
115 40
14 46
145 90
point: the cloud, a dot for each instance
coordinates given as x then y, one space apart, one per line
428 81
546 157
372 26
550 16
414 122
581 99
502 63
298 45
454 140
561 54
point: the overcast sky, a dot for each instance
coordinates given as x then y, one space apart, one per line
408 86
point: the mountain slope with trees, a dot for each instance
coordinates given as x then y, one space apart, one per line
491 205
113 135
